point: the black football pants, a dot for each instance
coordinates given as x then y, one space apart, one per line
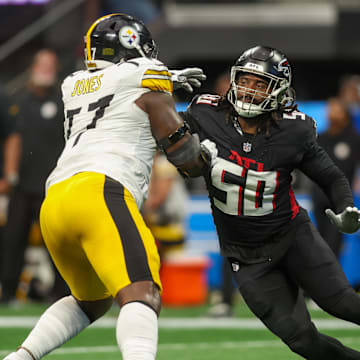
272 292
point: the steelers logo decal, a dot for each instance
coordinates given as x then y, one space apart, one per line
129 37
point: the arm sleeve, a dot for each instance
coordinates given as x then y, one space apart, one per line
318 166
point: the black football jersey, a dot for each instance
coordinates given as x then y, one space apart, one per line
250 184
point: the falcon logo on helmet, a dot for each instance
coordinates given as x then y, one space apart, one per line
284 67
271 66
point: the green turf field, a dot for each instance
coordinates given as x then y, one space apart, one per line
184 334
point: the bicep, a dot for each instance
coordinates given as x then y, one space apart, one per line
181 148
163 117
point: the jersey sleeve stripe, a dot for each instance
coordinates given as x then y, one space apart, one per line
163 77
157 72
158 85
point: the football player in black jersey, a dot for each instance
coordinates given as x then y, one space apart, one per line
272 246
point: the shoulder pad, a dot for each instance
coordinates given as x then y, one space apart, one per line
198 102
294 115
298 115
208 99
203 99
302 121
156 76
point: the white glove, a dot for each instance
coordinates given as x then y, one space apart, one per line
187 78
210 148
347 221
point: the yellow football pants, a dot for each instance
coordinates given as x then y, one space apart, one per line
97 237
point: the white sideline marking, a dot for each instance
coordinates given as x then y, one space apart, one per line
182 346
183 323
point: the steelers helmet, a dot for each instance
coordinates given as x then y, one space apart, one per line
270 65
117 37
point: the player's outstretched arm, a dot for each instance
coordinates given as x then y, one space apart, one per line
347 221
173 136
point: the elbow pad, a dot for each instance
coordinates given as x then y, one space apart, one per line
165 143
188 152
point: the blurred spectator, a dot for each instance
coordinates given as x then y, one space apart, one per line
9 153
165 208
349 93
10 140
38 114
342 143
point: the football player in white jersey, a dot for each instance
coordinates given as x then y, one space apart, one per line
116 114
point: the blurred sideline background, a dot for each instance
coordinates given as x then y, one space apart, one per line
319 37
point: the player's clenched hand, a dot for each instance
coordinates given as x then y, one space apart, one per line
347 221
187 78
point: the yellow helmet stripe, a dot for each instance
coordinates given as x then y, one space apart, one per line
88 34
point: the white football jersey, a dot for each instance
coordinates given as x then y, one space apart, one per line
105 131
